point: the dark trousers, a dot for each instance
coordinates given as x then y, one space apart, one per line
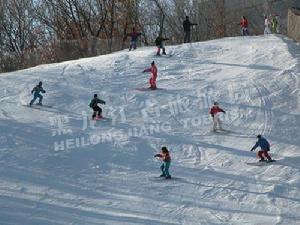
187 36
132 45
245 32
39 96
97 111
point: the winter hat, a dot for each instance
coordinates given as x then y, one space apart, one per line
259 136
95 95
40 83
216 103
164 149
152 63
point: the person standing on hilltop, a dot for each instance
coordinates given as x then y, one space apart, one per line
187 29
134 37
244 26
267 25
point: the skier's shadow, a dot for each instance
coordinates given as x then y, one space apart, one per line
289 162
186 181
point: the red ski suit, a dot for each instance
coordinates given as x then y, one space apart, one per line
153 71
215 109
244 23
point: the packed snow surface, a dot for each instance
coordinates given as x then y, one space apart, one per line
59 167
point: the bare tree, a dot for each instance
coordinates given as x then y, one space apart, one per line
17 29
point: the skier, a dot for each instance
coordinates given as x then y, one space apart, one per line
166 158
152 80
134 36
267 25
36 94
97 114
274 24
244 26
214 112
265 147
159 44
278 24
187 29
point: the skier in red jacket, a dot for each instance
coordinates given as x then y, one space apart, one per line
244 26
215 113
153 70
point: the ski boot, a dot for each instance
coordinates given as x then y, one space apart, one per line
99 117
168 177
153 87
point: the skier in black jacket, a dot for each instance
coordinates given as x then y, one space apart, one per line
94 105
187 29
160 45
36 93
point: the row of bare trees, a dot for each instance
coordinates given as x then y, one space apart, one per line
41 31
33 32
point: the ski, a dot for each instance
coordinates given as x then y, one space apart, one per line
102 119
260 163
148 89
41 108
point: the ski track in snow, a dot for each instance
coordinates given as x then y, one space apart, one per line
255 79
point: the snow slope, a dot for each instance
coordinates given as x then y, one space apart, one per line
56 167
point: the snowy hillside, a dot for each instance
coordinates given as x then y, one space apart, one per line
58 167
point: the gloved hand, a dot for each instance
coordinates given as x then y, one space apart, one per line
252 150
157 155
32 92
44 91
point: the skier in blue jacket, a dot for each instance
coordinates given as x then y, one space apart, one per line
265 147
36 93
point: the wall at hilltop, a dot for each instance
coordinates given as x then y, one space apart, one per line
294 24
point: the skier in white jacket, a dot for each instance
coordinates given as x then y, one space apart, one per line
267 25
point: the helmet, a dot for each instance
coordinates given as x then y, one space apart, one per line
95 95
259 136
40 83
